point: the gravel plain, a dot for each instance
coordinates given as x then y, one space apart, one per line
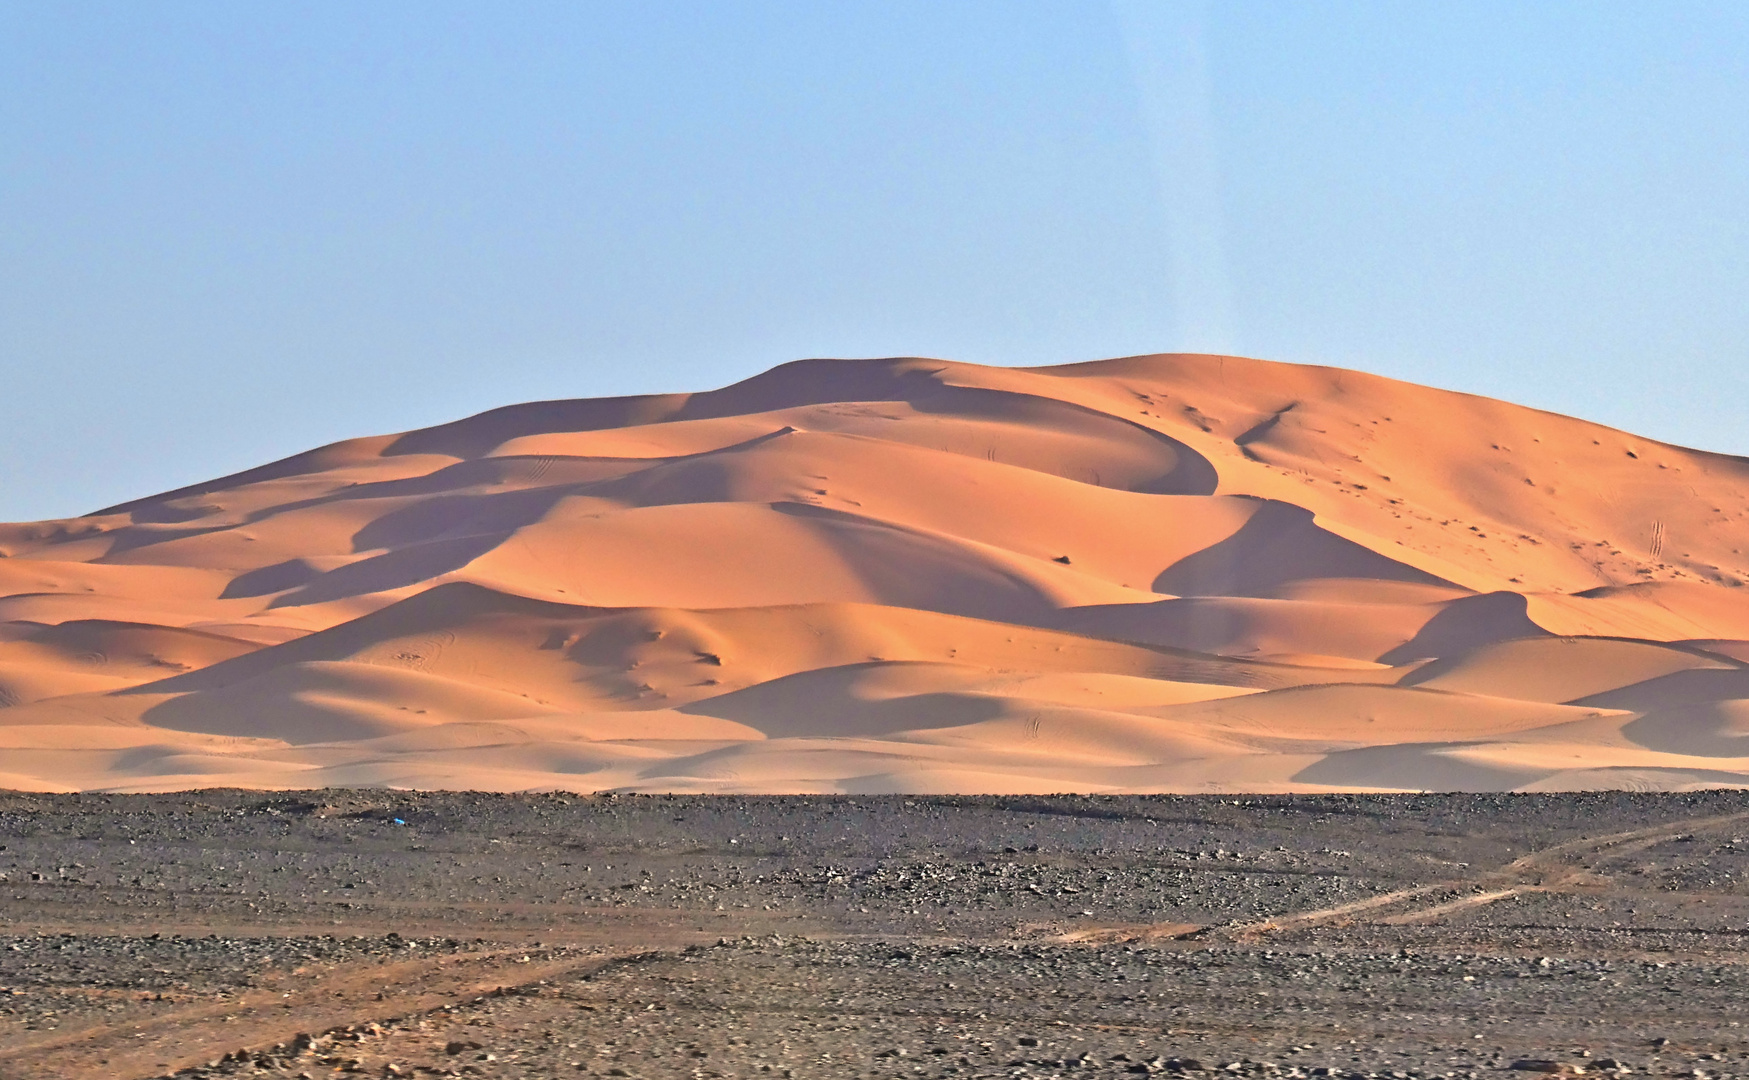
230 933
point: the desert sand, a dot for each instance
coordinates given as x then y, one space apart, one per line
1173 573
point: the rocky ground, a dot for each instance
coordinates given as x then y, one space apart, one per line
227 933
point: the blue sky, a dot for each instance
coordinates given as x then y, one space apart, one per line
230 232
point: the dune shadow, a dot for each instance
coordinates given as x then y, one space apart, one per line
392 570
825 702
908 568
1711 729
128 538
236 712
1413 766
1696 686
1466 623
164 513
459 516
1189 473
1280 544
270 579
1199 624
433 611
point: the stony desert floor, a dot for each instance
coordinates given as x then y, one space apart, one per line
230 933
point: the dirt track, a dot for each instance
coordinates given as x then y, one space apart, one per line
652 936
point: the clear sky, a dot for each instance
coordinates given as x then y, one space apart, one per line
229 232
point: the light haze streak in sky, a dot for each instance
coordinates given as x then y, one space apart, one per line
1166 44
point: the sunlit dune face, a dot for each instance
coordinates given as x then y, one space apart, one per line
1167 573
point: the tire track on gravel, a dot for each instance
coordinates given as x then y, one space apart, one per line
1547 867
1609 848
276 1011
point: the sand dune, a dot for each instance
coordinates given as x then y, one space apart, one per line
1174 573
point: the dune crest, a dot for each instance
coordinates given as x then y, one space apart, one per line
1156 573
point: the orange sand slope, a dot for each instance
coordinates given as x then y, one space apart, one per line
1160 573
